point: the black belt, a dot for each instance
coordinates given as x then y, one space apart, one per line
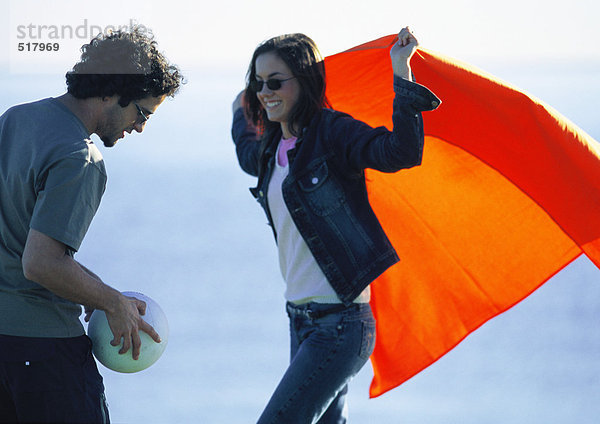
310 314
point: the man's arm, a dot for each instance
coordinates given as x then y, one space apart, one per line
46 262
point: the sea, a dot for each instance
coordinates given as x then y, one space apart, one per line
178 224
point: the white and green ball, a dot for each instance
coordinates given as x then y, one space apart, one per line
108 355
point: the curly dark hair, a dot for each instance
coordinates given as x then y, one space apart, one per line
301 55
123 63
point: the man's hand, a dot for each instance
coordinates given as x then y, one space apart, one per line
125 322
120 328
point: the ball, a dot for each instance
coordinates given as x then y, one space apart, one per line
108 355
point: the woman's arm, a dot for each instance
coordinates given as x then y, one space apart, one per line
362 146
247 142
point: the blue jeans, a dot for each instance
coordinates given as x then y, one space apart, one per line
327 350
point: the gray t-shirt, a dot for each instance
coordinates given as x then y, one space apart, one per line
52 178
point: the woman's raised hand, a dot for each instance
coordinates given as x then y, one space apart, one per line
402 51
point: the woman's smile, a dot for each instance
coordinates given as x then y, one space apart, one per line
280 102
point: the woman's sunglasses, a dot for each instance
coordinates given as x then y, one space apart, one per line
273 84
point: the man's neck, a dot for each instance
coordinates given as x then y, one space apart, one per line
84 109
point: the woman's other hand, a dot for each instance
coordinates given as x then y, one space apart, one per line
238 102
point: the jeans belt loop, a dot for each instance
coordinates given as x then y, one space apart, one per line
312 315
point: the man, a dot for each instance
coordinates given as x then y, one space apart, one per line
52 178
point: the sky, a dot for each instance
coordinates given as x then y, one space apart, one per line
214 41
201 35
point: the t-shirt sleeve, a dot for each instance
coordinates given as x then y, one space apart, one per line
68 200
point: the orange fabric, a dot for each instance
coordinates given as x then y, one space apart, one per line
507 195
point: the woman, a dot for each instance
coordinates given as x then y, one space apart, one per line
310 164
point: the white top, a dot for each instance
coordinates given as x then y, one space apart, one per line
305 282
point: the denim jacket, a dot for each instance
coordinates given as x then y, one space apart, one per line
325 190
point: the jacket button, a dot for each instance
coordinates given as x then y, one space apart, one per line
260 193
435 103
315 180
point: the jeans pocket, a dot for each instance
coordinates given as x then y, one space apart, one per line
368 339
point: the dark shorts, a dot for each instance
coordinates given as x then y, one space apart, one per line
47 380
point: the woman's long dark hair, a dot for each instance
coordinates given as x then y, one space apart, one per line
301 55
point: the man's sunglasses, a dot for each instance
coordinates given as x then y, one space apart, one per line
144 116
273 84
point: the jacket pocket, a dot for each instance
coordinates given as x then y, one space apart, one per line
322 192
